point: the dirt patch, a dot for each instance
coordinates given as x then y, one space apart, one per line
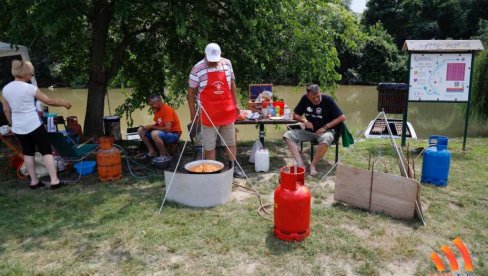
398 267
240 194
362 233
334 266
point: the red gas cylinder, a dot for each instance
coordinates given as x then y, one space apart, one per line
109 160
292 205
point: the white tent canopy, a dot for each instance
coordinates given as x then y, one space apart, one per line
6 50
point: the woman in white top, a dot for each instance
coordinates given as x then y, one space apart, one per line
19 108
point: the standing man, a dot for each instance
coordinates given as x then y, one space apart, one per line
212 84
322 115
165 130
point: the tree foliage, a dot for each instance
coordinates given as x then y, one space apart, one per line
479 96
433 19
151 46
380 60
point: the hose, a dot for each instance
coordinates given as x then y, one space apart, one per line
128 161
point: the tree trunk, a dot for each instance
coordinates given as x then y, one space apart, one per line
97 83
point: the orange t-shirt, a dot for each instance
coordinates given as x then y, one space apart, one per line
167 114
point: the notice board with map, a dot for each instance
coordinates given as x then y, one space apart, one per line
440 77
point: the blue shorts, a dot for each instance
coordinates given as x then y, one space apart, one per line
167 137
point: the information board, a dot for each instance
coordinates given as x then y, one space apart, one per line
439 77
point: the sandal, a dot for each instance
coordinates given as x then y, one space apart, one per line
59 185
147 157
37 186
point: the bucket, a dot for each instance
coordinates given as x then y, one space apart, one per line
111 126
85 167
261 160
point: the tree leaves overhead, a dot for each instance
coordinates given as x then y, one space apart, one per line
432 19
479 96
151 46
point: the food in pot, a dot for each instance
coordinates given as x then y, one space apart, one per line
205 168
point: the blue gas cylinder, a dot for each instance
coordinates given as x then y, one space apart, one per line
436 162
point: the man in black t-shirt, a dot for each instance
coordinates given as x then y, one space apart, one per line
322 115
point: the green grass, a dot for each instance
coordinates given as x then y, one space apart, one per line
115 228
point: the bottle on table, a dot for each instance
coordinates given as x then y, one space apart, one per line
270 110
288 115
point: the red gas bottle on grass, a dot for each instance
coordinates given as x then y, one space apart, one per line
292 205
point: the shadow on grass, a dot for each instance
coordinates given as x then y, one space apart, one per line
279 247
415 223
32 217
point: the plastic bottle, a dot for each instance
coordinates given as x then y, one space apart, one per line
270 111
288 115
278 110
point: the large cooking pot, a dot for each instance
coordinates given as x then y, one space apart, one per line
204 167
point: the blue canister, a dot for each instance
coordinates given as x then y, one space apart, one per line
436 161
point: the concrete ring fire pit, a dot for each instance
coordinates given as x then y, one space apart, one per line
199 190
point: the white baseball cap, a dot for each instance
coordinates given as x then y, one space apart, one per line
212 52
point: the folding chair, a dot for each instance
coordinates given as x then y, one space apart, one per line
337 136
58 120
69 150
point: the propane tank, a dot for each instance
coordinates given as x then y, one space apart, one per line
292 204
109 160
436 161
73 126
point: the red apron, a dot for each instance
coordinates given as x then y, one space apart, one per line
217 101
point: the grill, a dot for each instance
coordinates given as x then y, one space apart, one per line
378 129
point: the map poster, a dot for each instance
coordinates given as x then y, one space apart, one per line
439 77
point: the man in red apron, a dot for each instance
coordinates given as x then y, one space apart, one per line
212 85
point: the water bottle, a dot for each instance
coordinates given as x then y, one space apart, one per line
288 115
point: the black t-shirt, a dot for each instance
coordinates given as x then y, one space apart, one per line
319 115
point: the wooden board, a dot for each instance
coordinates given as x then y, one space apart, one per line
353 186
389 194
393 195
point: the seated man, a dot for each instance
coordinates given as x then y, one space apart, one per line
322 115
166 129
